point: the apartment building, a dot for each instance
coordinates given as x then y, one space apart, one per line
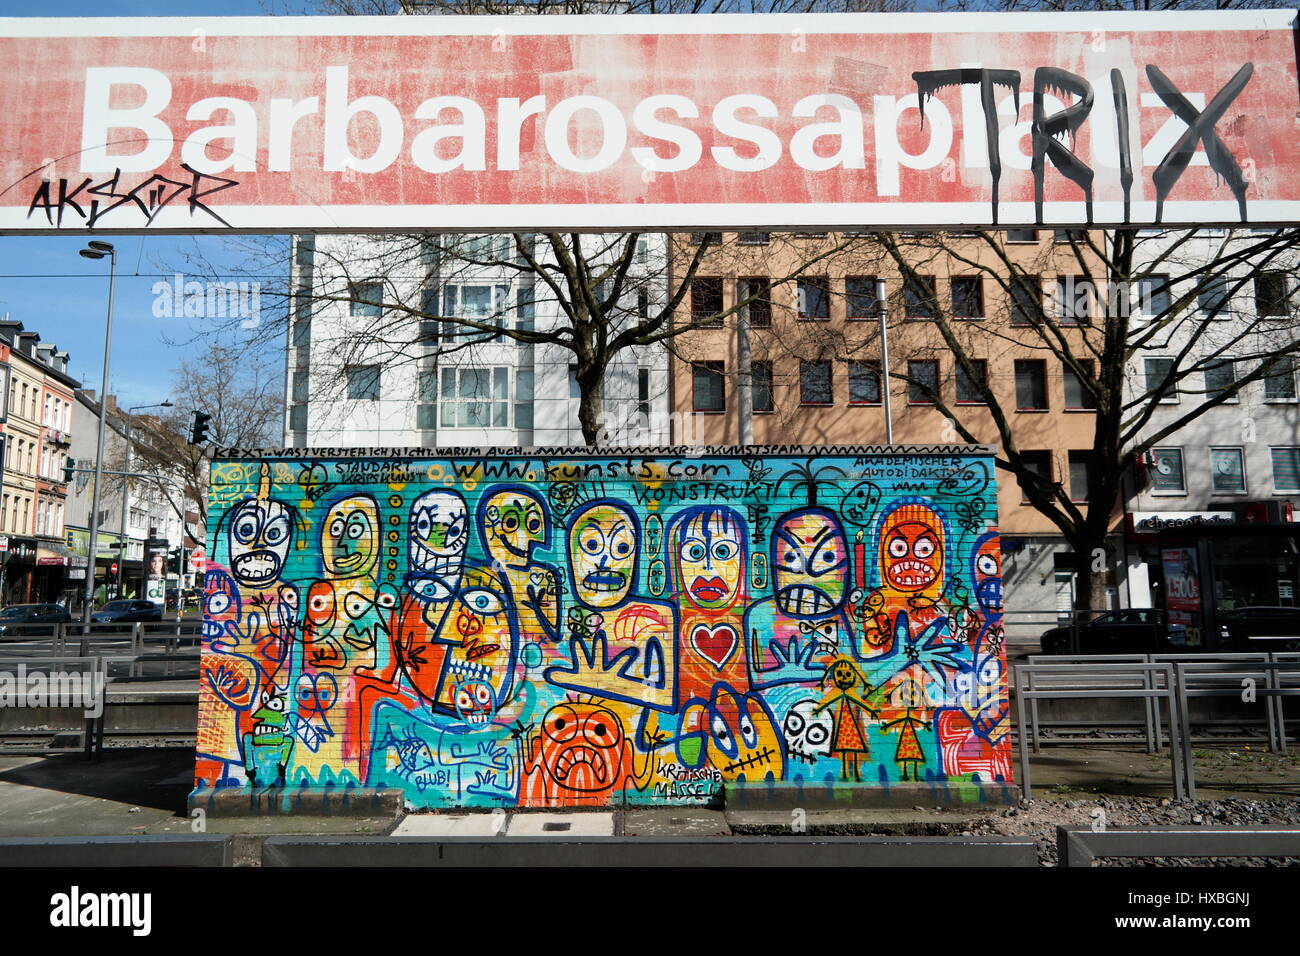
815 345
129 511
1214 500
37 421
363 373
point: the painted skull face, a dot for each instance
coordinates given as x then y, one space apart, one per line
741 736
602 554
350 538
986 572
475 702
583 746
911 549
807 733
439 535
708 551
513 525
259 534
810 563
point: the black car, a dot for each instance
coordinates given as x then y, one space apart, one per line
32 620
1126 631
127 612
1260 628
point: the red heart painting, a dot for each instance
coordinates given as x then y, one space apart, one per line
715 644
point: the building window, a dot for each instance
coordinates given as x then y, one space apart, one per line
923 384
1080 466
1026 299
298 418
712 238
918 296
1073 300
753 238
1286 469
759 310
300 387
1167 473
367 300
1279 383
524 398
815 383
967 297
760 383
1159 372
969 386
1031 385
475 398
864 383
1219 377
482 303
1153 296
706 303
363 382
864 297
707 387
1069 235
1270 294
1022 235
1212 298
814 298
1228 470
1077 395
1038 462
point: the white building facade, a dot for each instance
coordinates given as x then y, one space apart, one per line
364 374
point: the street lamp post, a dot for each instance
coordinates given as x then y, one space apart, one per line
96 249
126 495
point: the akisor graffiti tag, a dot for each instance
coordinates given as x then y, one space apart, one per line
825 617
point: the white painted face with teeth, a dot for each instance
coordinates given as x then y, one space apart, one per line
439 535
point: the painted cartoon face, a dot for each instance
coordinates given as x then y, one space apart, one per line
475 702
807 733
844 675
221 604
259 535
270 717
986 572
314 696
810 563
911 549
708 551
350 538
742 738
602 554
513 524
478 626
322 610
583 746
909 694
439 535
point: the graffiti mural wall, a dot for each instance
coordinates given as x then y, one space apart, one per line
559 628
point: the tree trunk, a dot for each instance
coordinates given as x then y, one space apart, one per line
591 405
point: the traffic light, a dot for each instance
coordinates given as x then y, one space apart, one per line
69 470
199 430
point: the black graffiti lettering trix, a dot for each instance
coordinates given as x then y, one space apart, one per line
1200 128
1050 79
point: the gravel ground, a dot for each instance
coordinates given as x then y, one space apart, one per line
1040 818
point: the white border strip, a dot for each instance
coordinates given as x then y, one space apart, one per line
941 24
669 217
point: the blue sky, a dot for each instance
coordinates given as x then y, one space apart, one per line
49 288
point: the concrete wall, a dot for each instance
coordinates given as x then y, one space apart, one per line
585 628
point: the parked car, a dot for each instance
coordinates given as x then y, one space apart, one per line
32 620
127 612
1260 628
1125 631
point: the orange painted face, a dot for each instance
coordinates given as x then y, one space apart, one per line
912 550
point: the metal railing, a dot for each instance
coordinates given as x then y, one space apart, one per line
1144 681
